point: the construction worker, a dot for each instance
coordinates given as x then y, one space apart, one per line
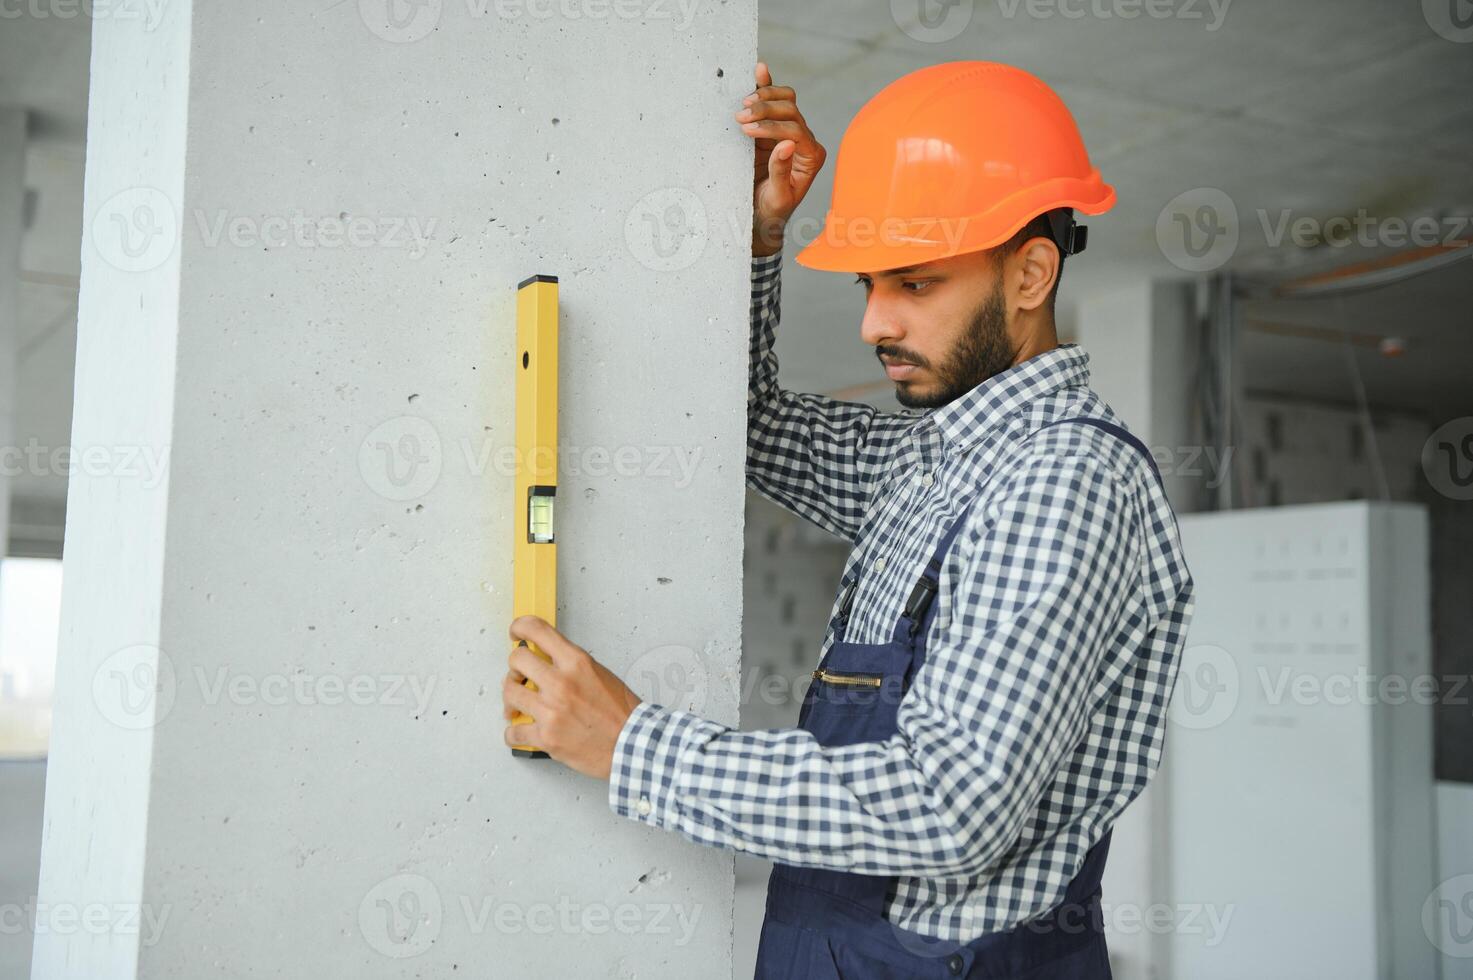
993 686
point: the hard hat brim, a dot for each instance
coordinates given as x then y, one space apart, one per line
879 245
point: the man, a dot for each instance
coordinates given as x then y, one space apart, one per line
993 687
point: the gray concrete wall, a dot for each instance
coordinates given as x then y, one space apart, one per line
21 787
278 732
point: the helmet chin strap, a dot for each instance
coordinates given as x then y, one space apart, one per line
1069 235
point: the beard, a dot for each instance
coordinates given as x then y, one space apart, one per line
983 351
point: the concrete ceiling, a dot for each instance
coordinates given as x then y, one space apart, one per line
1315 108
1310 109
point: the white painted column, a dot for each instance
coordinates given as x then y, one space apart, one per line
12 228
1142 342
20 782
278 737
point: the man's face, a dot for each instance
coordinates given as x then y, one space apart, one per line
939 329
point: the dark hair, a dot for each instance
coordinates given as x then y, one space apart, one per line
1039 227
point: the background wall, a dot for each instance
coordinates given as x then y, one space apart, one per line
278 721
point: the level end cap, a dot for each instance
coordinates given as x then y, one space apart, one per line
538 278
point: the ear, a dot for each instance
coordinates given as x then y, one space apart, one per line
1035 268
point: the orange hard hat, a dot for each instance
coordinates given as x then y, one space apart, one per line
954 158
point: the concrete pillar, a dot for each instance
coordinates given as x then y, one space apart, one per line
1143 343
278 738
12 228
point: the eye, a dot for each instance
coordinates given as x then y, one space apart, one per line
863 280
921 286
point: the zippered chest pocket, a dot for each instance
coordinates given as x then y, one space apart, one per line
856 693
852 688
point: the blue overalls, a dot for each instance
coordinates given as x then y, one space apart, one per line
823 924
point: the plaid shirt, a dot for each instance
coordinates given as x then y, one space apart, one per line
1041 707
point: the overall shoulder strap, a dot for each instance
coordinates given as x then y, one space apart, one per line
921 596
1114 429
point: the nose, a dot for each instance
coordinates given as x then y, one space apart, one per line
878 325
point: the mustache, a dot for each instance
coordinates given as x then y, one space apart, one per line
898 356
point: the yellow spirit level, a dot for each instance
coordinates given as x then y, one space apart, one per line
534 546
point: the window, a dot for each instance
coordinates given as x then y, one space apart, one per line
30 618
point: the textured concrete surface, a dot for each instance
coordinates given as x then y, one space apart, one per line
21 787
279 734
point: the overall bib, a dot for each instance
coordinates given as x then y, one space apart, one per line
822 924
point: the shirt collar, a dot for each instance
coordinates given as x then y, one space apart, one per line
963 420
